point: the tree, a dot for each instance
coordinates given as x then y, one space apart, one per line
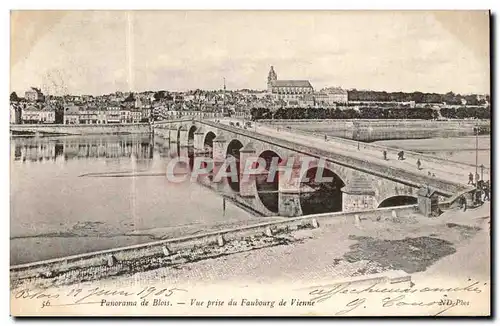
14 97
130 98
159 95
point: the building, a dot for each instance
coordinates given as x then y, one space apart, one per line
102 115
30 114
91 115
71 114
321 99
15 114
48 114
136 115
146 114
113 114
336 95
307 100
188 97
125 115
34 95
287 89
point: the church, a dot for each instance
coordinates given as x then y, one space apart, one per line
287 89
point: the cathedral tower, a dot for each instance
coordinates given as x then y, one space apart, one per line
271 77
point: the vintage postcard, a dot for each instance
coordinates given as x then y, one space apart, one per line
250 163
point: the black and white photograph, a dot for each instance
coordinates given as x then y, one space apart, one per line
250 163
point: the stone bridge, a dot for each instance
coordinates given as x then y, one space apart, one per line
358 184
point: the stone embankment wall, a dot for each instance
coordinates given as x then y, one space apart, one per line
96 265
132 128
372 130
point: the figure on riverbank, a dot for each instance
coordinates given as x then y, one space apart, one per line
471 179
385 155
419 164
401 156
487 190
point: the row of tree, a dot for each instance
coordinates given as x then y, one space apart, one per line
466 112
370 113
418 97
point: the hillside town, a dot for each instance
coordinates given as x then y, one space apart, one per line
283 99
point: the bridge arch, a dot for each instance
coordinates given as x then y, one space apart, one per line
233 150
191 132
400 200
268 190
208 142
320 192
179 127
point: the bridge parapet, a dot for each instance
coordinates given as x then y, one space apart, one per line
443 187
394 151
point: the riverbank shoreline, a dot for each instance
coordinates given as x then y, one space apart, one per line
373 246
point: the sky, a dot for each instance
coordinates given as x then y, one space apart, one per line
100 52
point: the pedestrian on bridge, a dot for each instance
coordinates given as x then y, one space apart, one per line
463 202
471 179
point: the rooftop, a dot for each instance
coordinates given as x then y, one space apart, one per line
334 90
292 83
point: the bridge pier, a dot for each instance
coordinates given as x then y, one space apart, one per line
183 136
219 154
199 146
248 188
172 132
160 131
289 191
184 153
358 195
219 145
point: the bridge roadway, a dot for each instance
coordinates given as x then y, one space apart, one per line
454 172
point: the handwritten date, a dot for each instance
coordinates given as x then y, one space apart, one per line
93 295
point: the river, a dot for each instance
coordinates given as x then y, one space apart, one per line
62 202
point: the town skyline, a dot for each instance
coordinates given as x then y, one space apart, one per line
101 52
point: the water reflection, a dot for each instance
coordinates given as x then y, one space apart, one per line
74 198
76 147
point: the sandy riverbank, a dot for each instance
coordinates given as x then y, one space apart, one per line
89 237
459 149
410 244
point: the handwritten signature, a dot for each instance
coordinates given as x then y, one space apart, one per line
395 296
